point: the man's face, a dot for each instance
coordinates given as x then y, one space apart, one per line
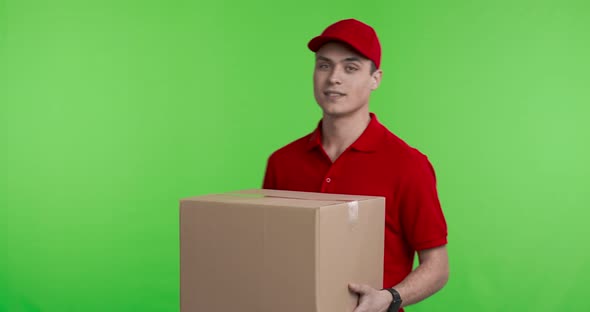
342 80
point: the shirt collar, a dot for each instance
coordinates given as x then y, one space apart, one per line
367 142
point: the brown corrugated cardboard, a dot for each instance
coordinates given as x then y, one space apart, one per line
278 251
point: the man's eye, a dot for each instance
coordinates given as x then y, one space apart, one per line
323 66
351 68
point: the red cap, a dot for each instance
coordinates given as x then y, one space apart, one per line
358 35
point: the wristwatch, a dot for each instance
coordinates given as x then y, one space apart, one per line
396 303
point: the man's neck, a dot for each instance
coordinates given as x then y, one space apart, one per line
338 133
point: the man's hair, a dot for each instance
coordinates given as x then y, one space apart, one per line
373 67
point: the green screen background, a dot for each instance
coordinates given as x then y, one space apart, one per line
111 111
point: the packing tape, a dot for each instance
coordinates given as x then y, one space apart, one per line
353 206
353 211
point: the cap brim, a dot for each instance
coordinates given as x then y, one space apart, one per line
316 43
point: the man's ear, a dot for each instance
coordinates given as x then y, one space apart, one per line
376 79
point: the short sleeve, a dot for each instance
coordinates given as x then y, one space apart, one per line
270 175
422 219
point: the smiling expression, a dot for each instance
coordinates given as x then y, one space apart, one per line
343 80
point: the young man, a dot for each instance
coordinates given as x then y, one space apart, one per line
350 152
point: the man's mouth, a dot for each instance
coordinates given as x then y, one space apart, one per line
333 94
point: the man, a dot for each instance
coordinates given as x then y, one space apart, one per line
350 152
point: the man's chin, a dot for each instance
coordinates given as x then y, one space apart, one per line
333 108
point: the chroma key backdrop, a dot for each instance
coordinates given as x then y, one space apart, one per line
111 111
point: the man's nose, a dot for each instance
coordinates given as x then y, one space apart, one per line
336 75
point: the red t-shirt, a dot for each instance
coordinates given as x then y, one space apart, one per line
378 163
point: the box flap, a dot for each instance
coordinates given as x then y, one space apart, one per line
265 197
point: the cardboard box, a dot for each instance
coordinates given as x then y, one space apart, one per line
278 251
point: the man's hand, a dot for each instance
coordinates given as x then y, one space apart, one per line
371 299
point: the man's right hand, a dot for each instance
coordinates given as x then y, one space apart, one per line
371 299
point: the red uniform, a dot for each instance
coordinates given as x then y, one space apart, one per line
378 163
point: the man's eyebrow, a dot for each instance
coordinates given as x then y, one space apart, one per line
352 59
323 58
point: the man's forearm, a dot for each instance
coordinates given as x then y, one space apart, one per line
428 278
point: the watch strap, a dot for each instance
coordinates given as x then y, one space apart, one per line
396 303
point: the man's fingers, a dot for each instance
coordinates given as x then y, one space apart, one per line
360 308
359 289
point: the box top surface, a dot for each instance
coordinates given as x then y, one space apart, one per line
279 198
